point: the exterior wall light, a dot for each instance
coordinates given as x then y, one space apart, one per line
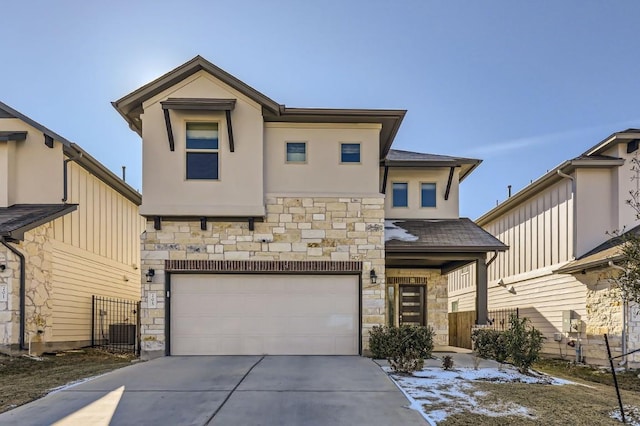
150 273
373 276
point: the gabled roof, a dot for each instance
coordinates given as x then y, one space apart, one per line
20 218
600 256
7 112
399 158
439 236
130 106
615 138
71 150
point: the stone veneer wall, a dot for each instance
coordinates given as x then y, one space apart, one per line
295 228
604 315
37 250
437 301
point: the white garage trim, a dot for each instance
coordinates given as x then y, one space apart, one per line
254 314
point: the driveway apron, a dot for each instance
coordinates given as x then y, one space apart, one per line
229 390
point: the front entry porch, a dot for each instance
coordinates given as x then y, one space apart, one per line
419 253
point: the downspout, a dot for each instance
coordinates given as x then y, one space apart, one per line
22 289
65 174
493 258
575 211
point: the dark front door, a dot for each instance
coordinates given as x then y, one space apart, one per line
412 304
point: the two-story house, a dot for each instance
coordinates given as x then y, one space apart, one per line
557 269
266 224
69 230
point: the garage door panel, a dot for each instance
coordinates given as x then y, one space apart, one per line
272 314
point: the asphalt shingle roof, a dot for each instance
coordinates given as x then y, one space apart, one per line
400 155
433 235
19 218
599 256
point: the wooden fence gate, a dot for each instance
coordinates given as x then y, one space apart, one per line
460 324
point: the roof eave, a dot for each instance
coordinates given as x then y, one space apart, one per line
94 167
443 249
18 233
606 143
596 264
131 101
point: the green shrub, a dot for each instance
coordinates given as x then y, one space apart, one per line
524 343
405 347
521 343
379 342
484 342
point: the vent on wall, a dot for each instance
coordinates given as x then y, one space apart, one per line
632 145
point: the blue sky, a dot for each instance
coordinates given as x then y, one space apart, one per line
521 85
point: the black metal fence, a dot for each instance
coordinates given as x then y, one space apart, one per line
115 324
498 319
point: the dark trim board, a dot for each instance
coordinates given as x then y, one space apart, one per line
167 304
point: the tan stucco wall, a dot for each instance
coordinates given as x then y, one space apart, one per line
594 201
436 295
445 209
240 188
34 172
322 228
322 173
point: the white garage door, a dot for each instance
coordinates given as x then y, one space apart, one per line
264 314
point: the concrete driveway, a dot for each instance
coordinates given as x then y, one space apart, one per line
229 390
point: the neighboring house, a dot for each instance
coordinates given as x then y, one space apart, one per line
557 268
69 229
266 224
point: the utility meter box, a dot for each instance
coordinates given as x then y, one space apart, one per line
569 318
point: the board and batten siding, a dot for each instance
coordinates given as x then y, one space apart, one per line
96 251
105 223
539 233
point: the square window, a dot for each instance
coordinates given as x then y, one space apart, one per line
202 165
202 156
296 152
400 195
428 192
350 153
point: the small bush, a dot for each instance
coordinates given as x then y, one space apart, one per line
521 343
405 347
447 362
524 343
484 342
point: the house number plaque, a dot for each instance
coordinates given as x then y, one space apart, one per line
4 292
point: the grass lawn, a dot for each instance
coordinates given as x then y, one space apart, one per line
23 379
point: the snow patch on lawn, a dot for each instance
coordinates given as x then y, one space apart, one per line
394 232
631 414
437 393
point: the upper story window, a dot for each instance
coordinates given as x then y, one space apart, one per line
350 153
202 151
400 194
428 194
296 152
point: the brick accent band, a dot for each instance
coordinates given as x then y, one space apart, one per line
262 266
406 280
